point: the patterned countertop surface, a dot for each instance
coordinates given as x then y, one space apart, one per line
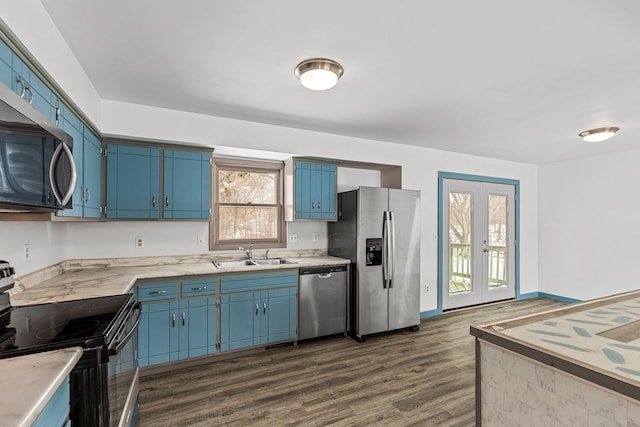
78 279
603 334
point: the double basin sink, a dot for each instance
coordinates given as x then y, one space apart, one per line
249 262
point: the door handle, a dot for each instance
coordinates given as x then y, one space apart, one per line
173 320
264 308
184 318
257 309
153 201
166 201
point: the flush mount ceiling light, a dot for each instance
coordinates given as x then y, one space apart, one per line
319 73
599 134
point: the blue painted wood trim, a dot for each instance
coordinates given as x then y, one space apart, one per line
466 177
558 298
430 313
529 295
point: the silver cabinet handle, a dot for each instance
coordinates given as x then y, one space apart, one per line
157 292
22 87
313 205
264 308
28 89
166 201
84 193
201 288
173 319
184 317
153 201
257 309
86 189
318 204
324 275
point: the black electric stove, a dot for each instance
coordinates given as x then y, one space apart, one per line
104 382
88 323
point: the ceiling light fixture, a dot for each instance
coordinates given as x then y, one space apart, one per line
599 134
319 73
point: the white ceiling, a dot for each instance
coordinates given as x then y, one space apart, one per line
499 78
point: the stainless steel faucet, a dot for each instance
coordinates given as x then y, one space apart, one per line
247 252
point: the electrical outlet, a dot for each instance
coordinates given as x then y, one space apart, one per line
139 242
315 237
26 253
293 237
426 289
201 240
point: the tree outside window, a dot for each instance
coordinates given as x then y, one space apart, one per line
247 204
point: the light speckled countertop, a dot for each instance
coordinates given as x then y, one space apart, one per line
29 382
27 394
78 279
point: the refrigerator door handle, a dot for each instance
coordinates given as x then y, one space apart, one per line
385 249
392 248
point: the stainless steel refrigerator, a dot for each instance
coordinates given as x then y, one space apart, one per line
378 229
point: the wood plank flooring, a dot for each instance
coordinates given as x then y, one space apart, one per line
423 378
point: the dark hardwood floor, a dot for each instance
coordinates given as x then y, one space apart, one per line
423 378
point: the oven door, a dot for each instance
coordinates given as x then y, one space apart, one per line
123 372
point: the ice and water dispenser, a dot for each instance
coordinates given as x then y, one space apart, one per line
373 255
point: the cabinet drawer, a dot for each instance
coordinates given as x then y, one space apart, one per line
256 283
194 288
157 292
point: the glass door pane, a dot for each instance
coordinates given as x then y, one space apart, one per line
496 249
460 251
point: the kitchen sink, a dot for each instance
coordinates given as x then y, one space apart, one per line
273 261
246 262
240 263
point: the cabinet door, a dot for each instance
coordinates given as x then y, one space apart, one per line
6 65
280 315
154 333
91 175
56 413
303 190
133 181
315 191
328 192
237 316
71 125
187 184
198 327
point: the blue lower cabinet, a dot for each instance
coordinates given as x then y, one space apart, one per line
176 329
257 318
196 319
56 413
157 332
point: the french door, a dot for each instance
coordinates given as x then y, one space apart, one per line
478 232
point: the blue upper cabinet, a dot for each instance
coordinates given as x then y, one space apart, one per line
315 190
86 155
133 182
133 178
187 184
15 74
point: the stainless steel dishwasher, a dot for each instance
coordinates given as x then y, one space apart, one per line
323 301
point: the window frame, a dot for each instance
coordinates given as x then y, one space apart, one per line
246 165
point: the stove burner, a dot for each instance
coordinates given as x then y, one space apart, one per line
73 329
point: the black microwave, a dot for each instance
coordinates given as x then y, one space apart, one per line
37 171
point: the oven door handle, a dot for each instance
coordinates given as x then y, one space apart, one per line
119 344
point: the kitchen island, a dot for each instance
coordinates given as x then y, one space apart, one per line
578 365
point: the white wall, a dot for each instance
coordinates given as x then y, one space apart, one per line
589 232
420 167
